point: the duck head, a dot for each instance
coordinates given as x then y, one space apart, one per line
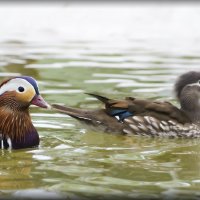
20 92
16 128
187 90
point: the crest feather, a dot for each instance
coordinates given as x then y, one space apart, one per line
185 79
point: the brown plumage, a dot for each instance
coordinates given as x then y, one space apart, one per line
147 117
15 124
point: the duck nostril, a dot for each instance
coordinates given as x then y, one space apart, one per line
39 99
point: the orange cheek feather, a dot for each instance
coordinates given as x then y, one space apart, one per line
26 96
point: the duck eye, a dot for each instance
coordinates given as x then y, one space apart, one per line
20 89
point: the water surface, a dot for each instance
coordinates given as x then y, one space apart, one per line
73 161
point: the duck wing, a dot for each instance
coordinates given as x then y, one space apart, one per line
131 106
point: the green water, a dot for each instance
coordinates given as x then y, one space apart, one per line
73 162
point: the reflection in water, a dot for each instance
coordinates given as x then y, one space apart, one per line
13 170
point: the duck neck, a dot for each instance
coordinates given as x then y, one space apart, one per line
191 106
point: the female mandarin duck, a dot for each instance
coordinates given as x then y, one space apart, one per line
16 128
145 117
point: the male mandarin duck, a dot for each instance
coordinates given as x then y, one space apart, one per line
16 128
146 117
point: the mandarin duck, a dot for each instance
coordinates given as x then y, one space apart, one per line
16 128
132 116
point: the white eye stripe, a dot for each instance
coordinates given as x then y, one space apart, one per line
193 84
14 84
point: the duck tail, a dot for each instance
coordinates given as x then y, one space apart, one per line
99 97
79 114
94 118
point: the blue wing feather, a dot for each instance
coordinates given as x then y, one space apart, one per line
122 114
